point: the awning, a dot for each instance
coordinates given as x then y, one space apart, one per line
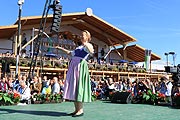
8 31
136 53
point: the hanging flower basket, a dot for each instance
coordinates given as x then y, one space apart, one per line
91 66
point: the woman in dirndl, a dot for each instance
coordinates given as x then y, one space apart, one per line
77 85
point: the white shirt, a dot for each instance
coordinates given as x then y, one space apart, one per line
169 88
55 88
26 93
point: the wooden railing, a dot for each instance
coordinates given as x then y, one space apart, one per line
93 72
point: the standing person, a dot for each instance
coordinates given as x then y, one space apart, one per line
168 92
77 85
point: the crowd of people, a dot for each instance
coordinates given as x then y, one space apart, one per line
103 88
26 89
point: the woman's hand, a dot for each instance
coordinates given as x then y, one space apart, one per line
63 49
57 47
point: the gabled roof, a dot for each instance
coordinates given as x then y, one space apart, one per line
137 53
99 28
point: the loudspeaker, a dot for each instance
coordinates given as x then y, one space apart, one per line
122 97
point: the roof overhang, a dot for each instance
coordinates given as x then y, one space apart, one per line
137 53
99 28
7 31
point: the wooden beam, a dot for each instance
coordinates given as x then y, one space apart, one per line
115 49
28 27
71 22
29 41
101 32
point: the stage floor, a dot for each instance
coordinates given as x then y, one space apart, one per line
98 110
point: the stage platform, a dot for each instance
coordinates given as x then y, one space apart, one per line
98 110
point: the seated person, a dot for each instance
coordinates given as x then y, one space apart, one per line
169 87
108 87
142 86
162 88
3 85
55 86
119 86
24 92
35 86
111 85
47 89
16 83
44 82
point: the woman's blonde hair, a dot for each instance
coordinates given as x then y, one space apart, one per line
88 35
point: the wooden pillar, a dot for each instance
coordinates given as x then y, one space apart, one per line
118 76
19 71
91 72
137 75
65 74
145 75
124 52
37 71
103 74
15 48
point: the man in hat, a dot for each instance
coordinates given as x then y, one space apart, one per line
168 85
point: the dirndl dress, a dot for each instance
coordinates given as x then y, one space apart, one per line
77 85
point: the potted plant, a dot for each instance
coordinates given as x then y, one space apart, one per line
94 96
46 98
149 97
161 97
9 98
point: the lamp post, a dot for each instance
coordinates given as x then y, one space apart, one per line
174 55
20 2
166 54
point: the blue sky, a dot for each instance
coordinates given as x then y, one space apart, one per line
154 23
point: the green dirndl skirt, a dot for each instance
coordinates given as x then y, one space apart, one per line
84 84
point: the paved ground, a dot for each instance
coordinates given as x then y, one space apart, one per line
98 110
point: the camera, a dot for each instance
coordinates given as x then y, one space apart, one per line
171 69
175 73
